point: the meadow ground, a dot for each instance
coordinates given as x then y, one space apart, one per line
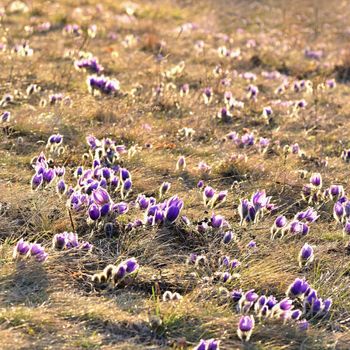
295 57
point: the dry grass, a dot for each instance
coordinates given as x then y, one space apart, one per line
55 305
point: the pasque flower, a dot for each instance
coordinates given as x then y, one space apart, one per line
210 344
245 327
316 180
164 188
217 221
297 288
306 255
21 249
100 196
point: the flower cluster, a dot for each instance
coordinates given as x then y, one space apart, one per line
211 197
164 212
69 240
24 249
116 274
44 175
103 85
311 192
211 344
298 226
254 209
90 64
266 308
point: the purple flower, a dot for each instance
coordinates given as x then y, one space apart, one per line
100 196
60 171
259 200
245 327
172 213
21 248
200 184
208 192
127 185
236 295
36 249
296 227
124 174
121 272
184 90
228 236
226 277
72 240
61 187
217 221
285 304
301 104
271 302
243 209
346 229
297 288
164 188
306 255
296 314
201 346
92 142
222 196
247 140
303 325
309 215
94 212
120 208
90 64
131 265
105 209
316 306
59 240
281 221
36 181
49 175
267 111
253 92
295 148
327 304
210 344
86 246
207 94
181 163
336 191
251 244
5 117
316 180
251 296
